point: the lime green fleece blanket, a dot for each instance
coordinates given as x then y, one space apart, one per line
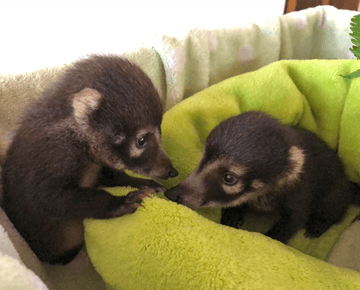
169 246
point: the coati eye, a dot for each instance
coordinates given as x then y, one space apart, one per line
229 179
142 141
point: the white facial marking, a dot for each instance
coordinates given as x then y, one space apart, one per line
257 184
117 165
209 168
258 198
119 139
241 200
211 204
233 189
135 151
158 137
102 153
238 170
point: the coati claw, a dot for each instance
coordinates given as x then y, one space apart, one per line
144 195
148 190
131 202
137 196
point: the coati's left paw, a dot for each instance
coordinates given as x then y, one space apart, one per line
315 228
278 234
131 202
232 217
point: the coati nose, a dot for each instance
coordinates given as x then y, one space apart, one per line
173 172
174 194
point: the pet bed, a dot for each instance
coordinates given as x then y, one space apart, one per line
179 68
168 246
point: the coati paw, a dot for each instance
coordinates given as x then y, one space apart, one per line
151 184
315 228
132 201
278 235
233 223
232 218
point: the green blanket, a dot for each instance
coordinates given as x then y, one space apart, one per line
169 246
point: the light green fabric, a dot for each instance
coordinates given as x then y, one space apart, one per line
168 246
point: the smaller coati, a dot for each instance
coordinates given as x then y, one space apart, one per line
102 116
253 160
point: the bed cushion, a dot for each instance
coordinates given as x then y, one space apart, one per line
169 246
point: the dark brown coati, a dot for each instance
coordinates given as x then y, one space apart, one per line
253 160
101 117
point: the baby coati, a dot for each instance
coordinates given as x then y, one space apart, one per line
102 116
253 160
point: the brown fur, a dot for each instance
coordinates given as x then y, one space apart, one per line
72 140
286 169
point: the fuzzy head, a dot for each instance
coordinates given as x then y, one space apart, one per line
246 157
120 114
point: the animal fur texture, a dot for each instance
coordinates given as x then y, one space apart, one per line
253 160
102 116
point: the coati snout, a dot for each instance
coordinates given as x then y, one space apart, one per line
253 160
101 117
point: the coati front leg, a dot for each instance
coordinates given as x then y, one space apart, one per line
294 211
110 177
99 204
103 111
329 209
234 216
63 237
285 228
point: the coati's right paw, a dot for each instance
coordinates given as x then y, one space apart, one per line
131 202
315 228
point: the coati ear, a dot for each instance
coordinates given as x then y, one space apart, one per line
85 102
296 161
